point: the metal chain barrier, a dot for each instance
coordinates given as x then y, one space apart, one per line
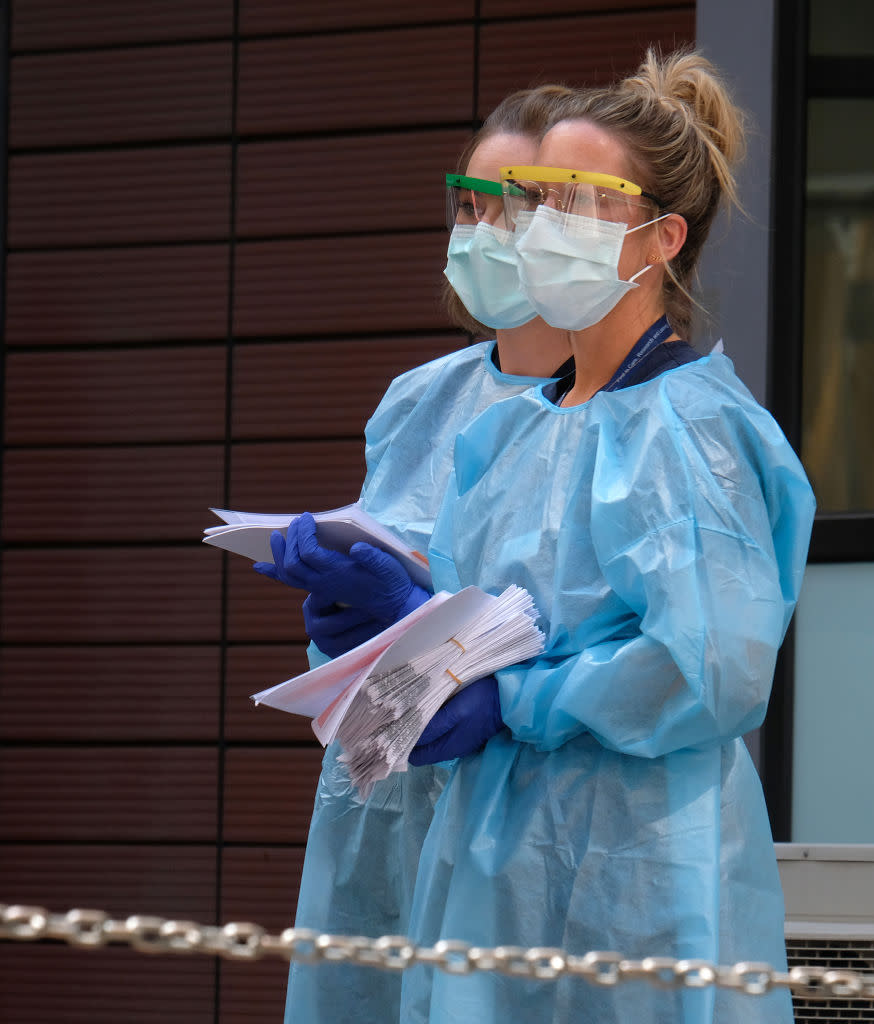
93 929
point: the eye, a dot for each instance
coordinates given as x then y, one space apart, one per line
527 194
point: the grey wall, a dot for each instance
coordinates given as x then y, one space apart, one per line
739 38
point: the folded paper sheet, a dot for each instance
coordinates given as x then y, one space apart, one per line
378 698
248 534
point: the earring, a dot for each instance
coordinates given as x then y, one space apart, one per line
654 257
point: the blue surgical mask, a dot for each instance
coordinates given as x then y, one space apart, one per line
482 269
568 266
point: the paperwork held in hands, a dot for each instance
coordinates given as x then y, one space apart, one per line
248 534
378 698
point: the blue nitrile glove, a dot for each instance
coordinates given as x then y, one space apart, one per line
464 724
336 630
366 578
298 558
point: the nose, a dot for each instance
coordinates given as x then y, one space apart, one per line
493 210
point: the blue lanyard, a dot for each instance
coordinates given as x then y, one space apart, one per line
656 334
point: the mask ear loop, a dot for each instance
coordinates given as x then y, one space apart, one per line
631 231
634 277
646 224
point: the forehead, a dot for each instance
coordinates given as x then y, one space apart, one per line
586 147
500 150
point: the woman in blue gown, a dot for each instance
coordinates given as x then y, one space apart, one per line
361 856
600 796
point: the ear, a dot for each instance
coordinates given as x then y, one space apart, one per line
671 233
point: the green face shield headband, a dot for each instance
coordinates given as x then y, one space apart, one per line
471 200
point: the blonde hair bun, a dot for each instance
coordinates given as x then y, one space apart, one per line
691 87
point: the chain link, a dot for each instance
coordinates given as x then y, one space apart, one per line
92 929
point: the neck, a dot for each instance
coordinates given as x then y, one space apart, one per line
600 350
533 350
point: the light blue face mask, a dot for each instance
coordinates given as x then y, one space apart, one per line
568 265
482 269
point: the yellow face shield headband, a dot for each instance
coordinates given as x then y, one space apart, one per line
583 193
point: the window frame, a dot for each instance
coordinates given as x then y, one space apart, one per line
837 536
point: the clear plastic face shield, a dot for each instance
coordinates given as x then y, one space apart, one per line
474 200
588 194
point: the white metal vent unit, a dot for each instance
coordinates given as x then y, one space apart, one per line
829 892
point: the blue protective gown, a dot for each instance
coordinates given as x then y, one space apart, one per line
620 810
362 856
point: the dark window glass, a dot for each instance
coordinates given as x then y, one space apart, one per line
841 28
839 304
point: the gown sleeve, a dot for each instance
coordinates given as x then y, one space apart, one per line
699 526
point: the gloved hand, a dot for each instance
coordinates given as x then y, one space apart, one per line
366 578
291 565
336 630
464 724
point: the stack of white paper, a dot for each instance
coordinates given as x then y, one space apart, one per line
378 698
390 711
248 534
